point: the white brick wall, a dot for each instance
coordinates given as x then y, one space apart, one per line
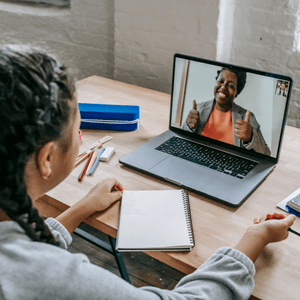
82 36
134 40
148 33
263 38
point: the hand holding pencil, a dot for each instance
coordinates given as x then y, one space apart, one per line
276 228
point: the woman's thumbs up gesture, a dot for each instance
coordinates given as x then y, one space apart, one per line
243 128
193 116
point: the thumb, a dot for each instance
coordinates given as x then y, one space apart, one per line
194 105
116 195
247 116
289 220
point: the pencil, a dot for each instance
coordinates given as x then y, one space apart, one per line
96 161
83 157
94 157
294 231
85 154
81 175
93 145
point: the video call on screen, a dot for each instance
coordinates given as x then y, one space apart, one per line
223 98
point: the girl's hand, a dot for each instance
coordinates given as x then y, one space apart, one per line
268 229
100 197
276 227
103 195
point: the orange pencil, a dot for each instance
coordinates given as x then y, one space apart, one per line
83 157
81 175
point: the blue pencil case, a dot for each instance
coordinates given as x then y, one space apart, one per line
109 116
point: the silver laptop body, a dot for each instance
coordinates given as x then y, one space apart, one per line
265 95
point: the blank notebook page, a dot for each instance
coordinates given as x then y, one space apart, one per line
152 219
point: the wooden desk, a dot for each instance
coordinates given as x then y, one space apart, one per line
215 225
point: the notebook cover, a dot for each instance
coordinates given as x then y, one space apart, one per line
109 117
155 221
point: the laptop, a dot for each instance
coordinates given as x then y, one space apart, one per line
226 126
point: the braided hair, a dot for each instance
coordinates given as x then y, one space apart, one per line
34 109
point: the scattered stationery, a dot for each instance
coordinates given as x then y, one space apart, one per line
155 220
94 145
81 175
96 161
84 152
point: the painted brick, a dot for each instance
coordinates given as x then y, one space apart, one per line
98 13
100 27
101 3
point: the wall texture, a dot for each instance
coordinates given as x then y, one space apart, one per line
265 35
134 41
148 33
81 36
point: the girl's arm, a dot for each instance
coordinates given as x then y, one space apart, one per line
263 233
100 197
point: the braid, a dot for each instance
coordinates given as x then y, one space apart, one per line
34 98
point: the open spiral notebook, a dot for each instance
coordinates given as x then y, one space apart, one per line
155 220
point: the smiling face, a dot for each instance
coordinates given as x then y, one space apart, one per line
225 90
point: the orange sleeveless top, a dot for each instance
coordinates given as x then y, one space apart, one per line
219 126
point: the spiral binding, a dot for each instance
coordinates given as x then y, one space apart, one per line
188 216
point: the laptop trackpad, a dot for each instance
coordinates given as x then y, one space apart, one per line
184 172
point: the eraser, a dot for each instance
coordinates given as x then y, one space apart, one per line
107 153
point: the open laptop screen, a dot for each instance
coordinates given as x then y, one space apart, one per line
238 106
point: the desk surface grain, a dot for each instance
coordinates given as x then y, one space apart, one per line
215 225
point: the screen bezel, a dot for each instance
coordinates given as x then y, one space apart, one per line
245 69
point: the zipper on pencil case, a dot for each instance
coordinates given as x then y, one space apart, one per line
97 121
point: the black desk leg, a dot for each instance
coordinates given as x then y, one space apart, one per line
106 247
119 259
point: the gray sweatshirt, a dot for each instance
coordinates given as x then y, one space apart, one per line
34 270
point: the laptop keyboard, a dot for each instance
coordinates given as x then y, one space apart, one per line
208 157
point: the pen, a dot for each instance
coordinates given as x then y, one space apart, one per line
80 177
96 162
294 231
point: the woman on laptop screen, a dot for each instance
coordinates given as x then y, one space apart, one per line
239 126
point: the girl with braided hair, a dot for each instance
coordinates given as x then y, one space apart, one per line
39 123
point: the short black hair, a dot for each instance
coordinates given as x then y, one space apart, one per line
240 75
